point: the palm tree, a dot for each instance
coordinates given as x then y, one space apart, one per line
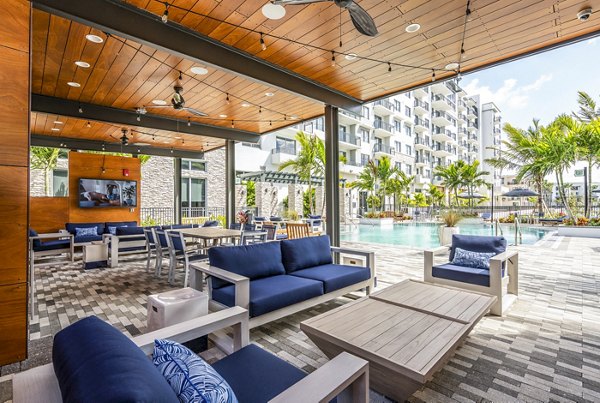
473 178
399 186
521 152
451 176
309 162
46 159
385 171
436 196
588 109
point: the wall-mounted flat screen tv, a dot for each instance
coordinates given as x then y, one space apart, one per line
107 193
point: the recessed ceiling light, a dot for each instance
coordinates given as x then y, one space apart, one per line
81 64
269 94
222 115
58 122
350 56
159 102
55 129
293 117
74 84
451 66
199 70
245 104
273 11
412 28
94 38
177 137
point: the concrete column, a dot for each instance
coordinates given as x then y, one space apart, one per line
319 197
332 173
241 197
230 182
295 198
177 190
261 189
343 203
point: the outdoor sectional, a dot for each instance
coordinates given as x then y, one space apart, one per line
276 279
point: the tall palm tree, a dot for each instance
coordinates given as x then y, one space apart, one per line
366 181
521 152
473 178
436 196
451 176
385 171
46 159
309 162
399 186
588 109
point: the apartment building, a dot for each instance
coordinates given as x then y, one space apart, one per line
491 138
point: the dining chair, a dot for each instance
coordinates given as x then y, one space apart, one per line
180 253
271 232
150 246
298 230
162 249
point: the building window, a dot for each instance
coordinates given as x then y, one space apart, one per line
365 112
408 169
308 127
193 192
408 149
398 126
398 105
287 146
343 129
364 133
193 165
60 183
398 166
252 145
364 159
408 94
398 146
408 131
320 124
407 111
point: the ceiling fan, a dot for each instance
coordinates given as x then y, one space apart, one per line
178 102
360 18
123 139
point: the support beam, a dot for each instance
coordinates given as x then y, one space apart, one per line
230 182
332 174
94 145
130 22
66 107
177 190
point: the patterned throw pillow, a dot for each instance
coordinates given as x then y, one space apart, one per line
91 231
477 260
113 230
192 378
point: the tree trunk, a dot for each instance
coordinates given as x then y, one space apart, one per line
563 196
588 195
540 197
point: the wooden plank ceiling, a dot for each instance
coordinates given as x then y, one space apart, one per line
124 74
67 127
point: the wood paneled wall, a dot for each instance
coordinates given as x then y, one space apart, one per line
15 22
85 165
48 214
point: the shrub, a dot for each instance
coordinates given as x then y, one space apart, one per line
291 215
451 218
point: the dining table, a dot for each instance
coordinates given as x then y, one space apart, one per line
216 235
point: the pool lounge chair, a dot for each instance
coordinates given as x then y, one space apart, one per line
551 221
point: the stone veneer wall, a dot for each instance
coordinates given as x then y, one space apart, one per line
36 179
157 182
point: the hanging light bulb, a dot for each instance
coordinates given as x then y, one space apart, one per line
232 124
80 109
284 117
332 58
432 75
189 123
165 16
171 150
270 123
138 118
182 142
260 109
88 124
389 68
263 45
103 147
227 99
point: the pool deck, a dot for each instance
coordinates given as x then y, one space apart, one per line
547 348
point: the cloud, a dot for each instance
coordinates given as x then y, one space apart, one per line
510 94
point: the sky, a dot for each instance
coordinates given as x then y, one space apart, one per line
541 86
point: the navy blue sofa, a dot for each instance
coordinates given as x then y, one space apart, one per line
102 228
94 362
275 279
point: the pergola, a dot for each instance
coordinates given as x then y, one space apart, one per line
251 75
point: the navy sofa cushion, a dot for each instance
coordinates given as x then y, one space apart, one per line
252 261
94 362
255 375
53 245
210 223
335 276
462 274
130 231
36 242
478 243
272 293
70 226
88 238
117 224
306 252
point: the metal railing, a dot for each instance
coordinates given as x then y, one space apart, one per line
284 150
380 124
386 104
349 138
166 215
383 148
421 104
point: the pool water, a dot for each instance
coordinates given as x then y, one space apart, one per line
425 235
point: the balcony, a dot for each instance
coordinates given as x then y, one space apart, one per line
442 103
473 138
280 155
384 107
423 179
350 167
421 125
383 129
462 105
422 143
471 113
441 118
421 92
423 161
440 88
383 149
440 134
421 107
441 150
349 141
472 126
462 116
497 131
349 117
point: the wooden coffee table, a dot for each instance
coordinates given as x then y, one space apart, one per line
407 332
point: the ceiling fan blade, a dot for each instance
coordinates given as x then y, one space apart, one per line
362 20
194 111
296 2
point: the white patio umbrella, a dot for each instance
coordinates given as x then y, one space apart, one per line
520 193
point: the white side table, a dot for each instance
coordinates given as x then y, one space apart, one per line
95 255
175 306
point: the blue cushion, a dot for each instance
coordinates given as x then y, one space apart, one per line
335 276
478 243
72 225
130 231
87 238
180 226
462 274
192 378
306 252
53 245
94 362
257 376
275 219
280 237
36 242
257 218
211 223
115 224
478 260
89 231
271 293
252 261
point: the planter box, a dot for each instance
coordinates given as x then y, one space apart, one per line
582 232
383 222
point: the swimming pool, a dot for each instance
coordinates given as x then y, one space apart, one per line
425 235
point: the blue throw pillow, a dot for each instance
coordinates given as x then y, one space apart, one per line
90 231
192 378
113 230
467 258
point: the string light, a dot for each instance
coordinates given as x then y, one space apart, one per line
332 58
389 68
165 16
80 109
432 75
189 123
227 98
263 45
259 109
232 124
88 124
270 123
138 118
